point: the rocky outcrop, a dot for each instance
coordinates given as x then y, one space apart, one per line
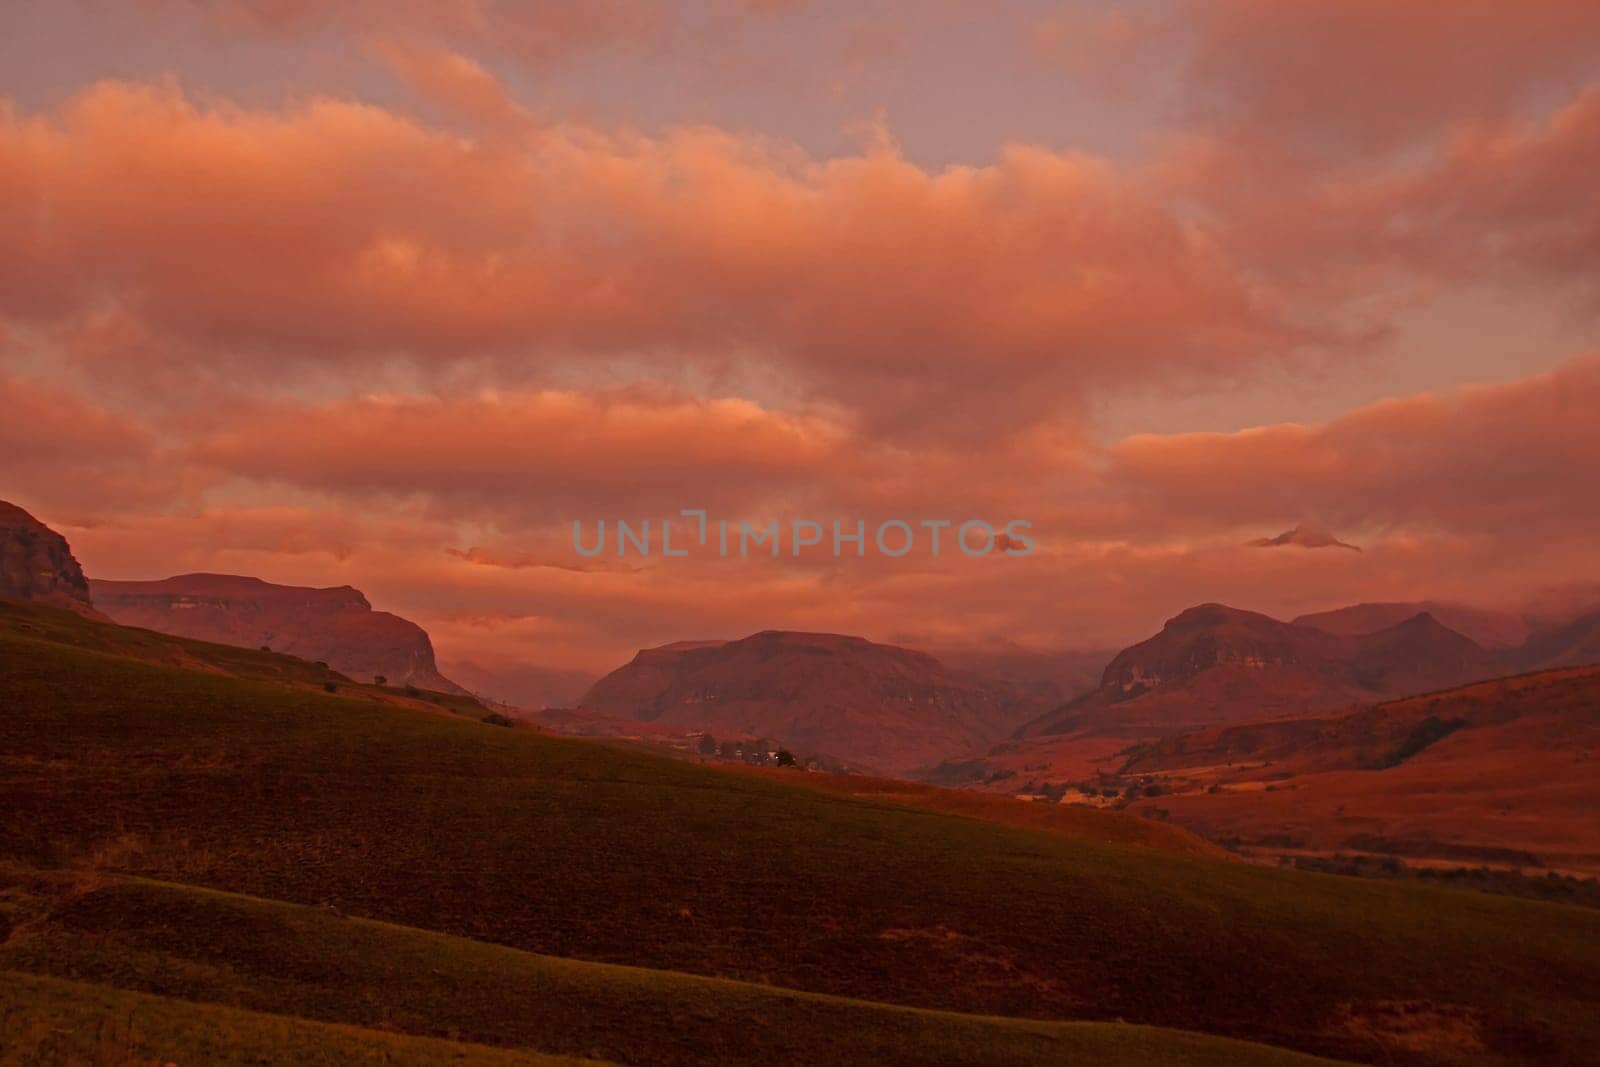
36 563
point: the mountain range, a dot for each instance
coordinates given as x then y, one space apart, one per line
977 713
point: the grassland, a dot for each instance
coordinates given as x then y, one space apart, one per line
290 960
560 848
48 1021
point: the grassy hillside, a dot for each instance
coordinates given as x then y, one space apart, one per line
47 1021
292 960
570 849
147 646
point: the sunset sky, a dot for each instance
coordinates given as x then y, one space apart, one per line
389 293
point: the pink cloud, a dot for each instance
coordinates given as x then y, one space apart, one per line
338 231
1511 462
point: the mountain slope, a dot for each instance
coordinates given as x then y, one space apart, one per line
52 1021
876 706
1214 663
1571 644
334 626
1489 629
1504 771
294 960
36 563
115 766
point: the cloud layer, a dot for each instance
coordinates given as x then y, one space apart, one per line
401 323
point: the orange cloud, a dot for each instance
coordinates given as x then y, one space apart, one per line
527 458
338 231
1511 462
63 452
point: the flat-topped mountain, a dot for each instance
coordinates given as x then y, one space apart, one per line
336 626
879 706
36 563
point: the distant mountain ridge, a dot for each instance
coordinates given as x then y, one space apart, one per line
523 687
1213 663
1489 628
336 625
879 706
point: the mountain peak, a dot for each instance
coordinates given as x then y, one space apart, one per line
1304 536
1202 616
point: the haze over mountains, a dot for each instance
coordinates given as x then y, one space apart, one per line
1491 629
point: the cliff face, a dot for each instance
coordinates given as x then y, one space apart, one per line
36 563
336 626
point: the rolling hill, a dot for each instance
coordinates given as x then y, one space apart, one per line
333 820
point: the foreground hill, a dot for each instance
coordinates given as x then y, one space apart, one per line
1503 772
112 767
52 1021
298 962
335 626
37 564
875 706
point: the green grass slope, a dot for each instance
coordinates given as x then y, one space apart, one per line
46 1022
291 960
148 646
578 850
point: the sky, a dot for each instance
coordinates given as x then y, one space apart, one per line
389 294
